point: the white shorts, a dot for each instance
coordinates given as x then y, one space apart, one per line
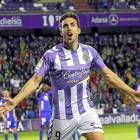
63 129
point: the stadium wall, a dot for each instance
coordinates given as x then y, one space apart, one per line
33 124
52 20
48 24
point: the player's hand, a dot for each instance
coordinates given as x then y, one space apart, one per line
8 105
136 96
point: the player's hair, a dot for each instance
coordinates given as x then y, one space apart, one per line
69 14
4 90
42 83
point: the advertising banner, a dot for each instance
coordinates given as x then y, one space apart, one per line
21 126
118 118
52 20
119 19
35 124
29 125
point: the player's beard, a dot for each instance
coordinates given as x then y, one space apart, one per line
70 41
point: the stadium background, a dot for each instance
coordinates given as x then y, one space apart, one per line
29 27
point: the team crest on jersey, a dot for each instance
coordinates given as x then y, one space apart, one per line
39 64
85 57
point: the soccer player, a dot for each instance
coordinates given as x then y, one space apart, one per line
10 119
138 110
69 66
43 97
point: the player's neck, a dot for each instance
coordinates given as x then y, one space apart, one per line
71 47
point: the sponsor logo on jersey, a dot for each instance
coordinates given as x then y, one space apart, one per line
85 57
68 74
73 81
92 124
39 64
65 59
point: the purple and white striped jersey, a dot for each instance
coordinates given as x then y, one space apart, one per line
69 72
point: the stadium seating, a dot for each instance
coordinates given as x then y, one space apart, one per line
9 5
50 40
80 5
117 6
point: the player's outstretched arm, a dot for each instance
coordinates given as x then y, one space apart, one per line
114 80
28 88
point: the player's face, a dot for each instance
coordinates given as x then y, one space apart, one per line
46 88
5 94
70 31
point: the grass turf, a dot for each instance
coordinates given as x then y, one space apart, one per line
111 132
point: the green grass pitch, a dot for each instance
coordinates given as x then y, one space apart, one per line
111 132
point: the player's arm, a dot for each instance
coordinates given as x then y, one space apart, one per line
114 80
38 91
28 88
37 94
14 114
3 117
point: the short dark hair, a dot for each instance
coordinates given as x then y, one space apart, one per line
45 81
4 90
69 14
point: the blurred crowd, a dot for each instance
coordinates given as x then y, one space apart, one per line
106 5
19 56
121 54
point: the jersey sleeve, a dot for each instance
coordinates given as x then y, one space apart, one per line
49 92
43 65
138 87
97 62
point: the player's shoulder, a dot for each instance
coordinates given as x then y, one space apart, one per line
54 49
49 92
84 46
40 93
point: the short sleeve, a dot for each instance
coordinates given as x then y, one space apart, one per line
49 92
43 66
97 62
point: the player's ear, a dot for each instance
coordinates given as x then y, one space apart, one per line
79 30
